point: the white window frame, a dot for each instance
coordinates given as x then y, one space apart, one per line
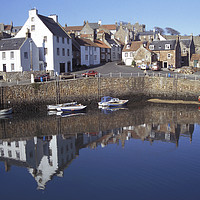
151 47
167 46
169 56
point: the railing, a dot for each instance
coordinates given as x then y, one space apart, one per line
116 75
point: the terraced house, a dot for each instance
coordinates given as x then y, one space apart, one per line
53 43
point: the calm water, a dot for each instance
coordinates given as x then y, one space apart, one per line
141 152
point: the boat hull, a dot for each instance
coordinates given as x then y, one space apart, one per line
6 111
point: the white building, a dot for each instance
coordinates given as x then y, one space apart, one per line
18 54
90 52
55 46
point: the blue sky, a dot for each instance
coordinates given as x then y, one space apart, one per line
182 15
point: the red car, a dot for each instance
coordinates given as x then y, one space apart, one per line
90 73
41 78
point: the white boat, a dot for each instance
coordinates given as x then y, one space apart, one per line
71 108
54 107
109 101
6 111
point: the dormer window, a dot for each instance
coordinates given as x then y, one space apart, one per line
128 46
167 46
151 47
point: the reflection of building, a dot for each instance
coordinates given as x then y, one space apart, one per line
45 157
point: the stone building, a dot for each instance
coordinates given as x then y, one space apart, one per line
168 52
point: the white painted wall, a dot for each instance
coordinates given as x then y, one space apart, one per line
41 31
127 58
91 52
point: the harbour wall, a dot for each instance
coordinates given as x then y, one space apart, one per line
92 89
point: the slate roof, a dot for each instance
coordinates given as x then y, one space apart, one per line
94 25
111 42
186 42
146 33
11 44
85 42
53 26
160 45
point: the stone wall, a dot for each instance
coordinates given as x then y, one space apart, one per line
91 89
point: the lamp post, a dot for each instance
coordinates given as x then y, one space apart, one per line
31 56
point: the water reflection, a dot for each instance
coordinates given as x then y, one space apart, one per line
46 155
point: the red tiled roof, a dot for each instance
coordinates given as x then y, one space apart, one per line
73 28
7 27
101 44
85 35
195 57
85 42
109 26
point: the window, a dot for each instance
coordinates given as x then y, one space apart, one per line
95 49
167 46
16 144
102 50
86 57
58 52
25 55
32 19
67 40
3 55
63 52
184 50
10 153
126 55
45 38
103 56
12 67
86 48
95 57
45 51
68 52
63 40
11 55
168 55
17 155
151 47
2 152
32 27
108 50
57 39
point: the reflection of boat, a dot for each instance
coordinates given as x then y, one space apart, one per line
108 110
109 101
5 111
65 114
71 108
54 107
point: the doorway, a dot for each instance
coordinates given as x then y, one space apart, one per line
69 66
165 64
4 67
62 67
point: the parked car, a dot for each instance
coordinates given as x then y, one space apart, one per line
41 78
90 73
156 67
143 66
67 75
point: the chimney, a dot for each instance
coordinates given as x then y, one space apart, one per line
28 34
33 12
54 17
99 22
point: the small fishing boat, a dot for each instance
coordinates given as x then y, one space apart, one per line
54 107
109 101
6 111
71 108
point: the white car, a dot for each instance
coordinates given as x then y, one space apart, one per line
143 66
